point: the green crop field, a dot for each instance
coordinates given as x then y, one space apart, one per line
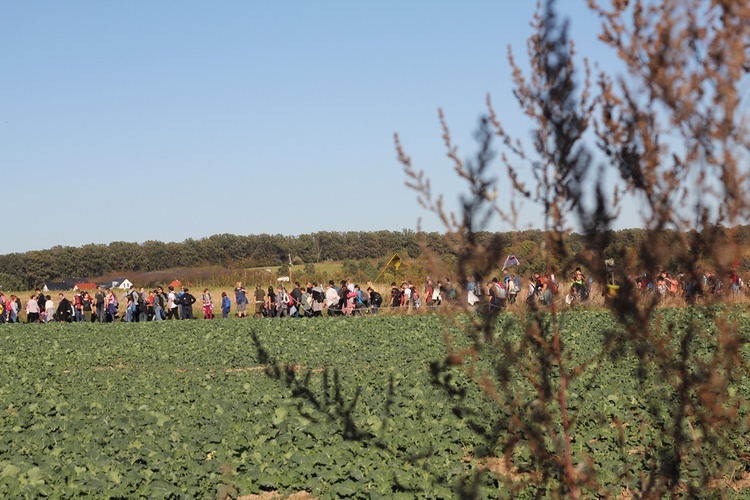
336 407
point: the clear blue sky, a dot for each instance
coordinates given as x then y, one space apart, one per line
167 120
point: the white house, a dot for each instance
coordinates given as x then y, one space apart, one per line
123 283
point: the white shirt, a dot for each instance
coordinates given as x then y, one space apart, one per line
332 298
32 307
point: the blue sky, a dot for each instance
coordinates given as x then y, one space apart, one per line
167 120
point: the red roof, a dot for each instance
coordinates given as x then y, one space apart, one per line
86 286
176 284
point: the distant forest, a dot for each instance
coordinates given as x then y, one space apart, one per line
31 269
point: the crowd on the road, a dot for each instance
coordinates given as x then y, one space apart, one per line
343 299
666 284
104 306
138 305
309 300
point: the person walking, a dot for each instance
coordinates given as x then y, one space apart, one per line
282 302
173 306
208 305
240 297
32 310
99 303
157 305
49 309
87 309
63 309
78 306
187 300
226 305
260 301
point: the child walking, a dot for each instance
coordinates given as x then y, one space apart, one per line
226 304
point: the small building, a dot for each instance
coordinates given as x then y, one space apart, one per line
72 282
122 283
55 286
87 285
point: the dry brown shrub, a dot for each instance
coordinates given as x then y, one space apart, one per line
673 132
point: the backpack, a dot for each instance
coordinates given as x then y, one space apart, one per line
501 293
317 296
376 298
414 294
177 300
553 286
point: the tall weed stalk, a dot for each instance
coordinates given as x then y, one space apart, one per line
669 136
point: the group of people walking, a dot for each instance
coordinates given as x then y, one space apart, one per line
41 308
159 305
104 306
312 299
309 300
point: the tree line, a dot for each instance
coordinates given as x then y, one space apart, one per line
33 268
